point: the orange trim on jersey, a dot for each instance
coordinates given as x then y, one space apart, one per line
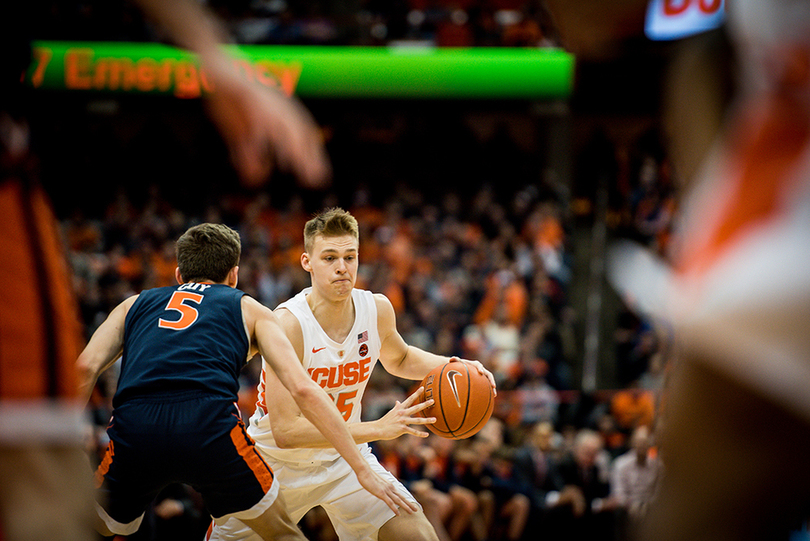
262 401
40 332
104 467
768 142
247 450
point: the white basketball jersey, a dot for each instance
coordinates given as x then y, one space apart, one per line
342 369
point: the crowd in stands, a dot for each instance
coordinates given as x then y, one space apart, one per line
442 23
476 275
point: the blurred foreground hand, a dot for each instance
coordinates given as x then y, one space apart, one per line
264 129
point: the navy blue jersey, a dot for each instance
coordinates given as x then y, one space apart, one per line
183 338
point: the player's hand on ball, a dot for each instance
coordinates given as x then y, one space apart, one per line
480 367
385 491
398 421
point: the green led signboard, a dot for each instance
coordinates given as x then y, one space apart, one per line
310 71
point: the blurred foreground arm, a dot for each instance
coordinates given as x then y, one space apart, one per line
258 124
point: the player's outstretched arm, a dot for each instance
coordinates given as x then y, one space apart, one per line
256 123
104 347
409 362
313 401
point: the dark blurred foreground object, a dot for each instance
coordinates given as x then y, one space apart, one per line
736 425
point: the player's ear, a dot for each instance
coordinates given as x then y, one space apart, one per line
233 277
177 275
305 262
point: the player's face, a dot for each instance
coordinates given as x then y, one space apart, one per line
333 265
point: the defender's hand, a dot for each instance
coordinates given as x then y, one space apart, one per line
386 492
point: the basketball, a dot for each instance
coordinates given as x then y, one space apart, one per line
463 400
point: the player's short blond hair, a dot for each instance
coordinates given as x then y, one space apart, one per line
208 252
333 222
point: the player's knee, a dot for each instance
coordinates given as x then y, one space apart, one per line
275 523
424 531
410 527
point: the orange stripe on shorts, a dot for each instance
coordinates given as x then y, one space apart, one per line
104 467
247 450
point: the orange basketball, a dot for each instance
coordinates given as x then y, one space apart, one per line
463 400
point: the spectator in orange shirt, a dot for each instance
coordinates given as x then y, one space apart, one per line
503 286
633 407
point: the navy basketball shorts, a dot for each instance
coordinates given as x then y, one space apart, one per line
193 438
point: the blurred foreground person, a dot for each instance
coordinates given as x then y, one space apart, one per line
736 425
45 493
739 302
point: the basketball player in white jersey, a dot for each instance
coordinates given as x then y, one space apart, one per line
338 332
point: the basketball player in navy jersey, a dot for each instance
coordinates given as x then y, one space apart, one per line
338 333
175 417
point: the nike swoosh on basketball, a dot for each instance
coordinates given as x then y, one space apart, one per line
451 377
317 350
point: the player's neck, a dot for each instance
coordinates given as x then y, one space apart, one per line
336 317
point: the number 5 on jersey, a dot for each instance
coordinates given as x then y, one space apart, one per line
188 314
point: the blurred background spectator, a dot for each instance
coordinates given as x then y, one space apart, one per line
634 480
584 510
514 23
